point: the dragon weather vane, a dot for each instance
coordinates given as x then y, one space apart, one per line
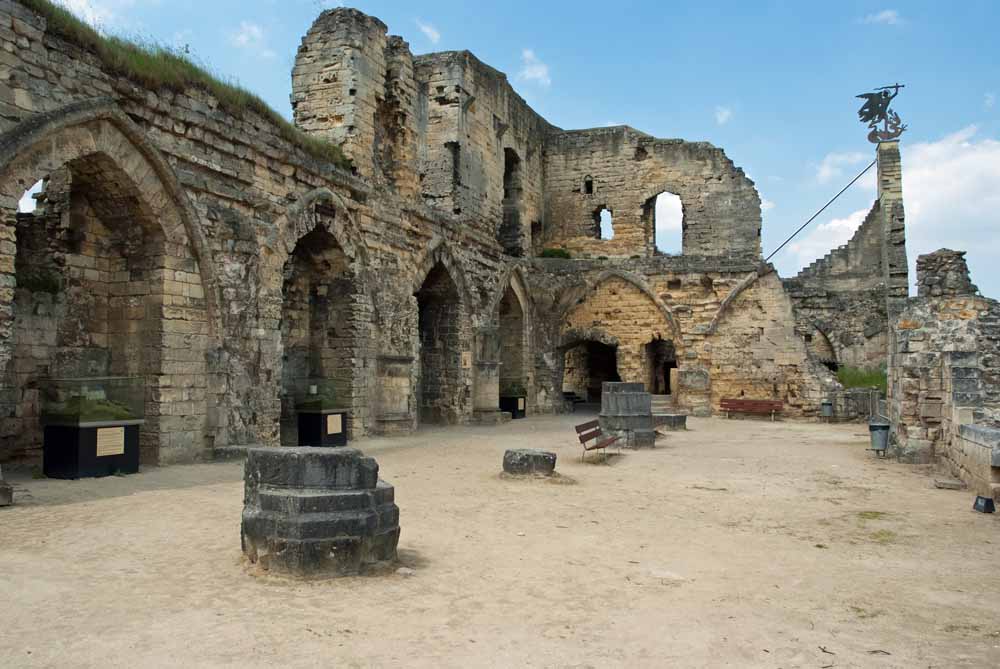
876 110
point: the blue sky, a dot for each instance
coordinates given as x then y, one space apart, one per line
772 83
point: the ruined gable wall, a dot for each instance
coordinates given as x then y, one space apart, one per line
242 180
842 296
629 168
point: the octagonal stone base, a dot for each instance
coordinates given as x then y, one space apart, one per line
317 512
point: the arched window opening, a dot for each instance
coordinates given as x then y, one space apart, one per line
603 224
510 236
586 367
29 201
821 349
663 220
588 185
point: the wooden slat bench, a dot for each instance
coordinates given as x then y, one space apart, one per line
759 407
591 432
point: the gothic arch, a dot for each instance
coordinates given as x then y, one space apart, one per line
439 252
45 142
574 295
728 300
300 220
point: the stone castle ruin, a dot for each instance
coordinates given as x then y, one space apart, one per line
220 258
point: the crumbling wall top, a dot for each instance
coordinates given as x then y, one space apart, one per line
944 273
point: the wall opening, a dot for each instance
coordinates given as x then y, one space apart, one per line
588 185
510 235
661 357
513 381
587 366
316 332
88 300
821 349
440 384
603 223
663 222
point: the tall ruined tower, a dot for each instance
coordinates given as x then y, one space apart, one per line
890 203
353 85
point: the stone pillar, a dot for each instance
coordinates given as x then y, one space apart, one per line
890 198
317 512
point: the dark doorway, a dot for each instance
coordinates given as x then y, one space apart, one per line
661 357
587 367
439 390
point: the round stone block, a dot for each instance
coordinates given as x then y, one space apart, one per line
317 512
529 461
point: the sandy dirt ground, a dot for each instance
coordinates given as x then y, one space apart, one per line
736 544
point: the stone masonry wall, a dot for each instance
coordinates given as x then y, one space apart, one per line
628 169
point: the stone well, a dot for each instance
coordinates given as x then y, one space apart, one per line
627 412
317 512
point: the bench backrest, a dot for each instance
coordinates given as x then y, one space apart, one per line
589 430
751 405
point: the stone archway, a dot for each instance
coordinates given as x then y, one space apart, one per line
317 271
124 276
441 386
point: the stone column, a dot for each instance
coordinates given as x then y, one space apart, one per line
890 197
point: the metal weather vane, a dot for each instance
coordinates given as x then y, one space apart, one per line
876 110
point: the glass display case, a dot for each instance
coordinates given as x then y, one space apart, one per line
92 401
91 426
322 412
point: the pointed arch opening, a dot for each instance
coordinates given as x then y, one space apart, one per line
440 385
318 328
587 365
661 360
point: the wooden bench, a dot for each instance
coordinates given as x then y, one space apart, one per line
759 407
591 432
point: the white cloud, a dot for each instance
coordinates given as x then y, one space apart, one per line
889 17
951 200
766 205
723 115
102 14
534 70
833 164
669 223
251 37
990 100
27 203
429 31
825 237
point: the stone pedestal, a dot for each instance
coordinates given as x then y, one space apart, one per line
627 412
529 461
317 512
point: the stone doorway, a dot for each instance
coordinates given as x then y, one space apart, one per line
513 379
588 365
439 387
317 328
661 357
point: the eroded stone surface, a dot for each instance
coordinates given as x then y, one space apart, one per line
522 461
317 512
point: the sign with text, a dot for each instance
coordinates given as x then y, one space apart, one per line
334 424
110 441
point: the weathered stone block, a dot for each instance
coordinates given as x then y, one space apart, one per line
317 512
529 461
670 421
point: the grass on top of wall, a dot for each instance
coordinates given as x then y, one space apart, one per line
158 67
856 377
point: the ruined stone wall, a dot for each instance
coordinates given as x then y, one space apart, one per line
233 198
626 170
847 296
732 330
944 364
